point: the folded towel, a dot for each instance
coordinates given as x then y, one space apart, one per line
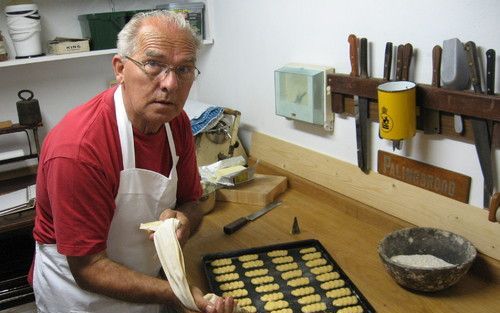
203 116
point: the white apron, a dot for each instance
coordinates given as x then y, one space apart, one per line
142 196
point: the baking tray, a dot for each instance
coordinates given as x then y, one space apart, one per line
293 249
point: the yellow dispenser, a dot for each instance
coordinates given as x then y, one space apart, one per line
397 110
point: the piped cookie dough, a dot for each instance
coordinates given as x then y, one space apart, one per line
307 250
262 280
249 309
244 302
232 285
301 281
315 307
332 284
272 296
316 262
276 253
248 257
224 269
253 264
311 256
321 269
257 272
275 305
309 299
236 293
221 262
282 259
287 267
328 276
340 292
345 301
303 291
351 309
227 277
291 274
267 288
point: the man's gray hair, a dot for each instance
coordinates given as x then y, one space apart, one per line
126 43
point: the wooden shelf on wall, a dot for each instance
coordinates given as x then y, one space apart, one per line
448 102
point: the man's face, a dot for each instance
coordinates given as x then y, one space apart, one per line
152 101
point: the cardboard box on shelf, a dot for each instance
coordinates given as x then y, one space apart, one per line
61 45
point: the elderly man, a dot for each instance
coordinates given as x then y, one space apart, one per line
125 157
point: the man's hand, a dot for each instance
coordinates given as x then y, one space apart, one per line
221 305
184 230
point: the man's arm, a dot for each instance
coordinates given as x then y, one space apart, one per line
99 274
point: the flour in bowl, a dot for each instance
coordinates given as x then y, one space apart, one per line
421 260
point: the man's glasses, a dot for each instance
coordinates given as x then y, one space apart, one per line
154 69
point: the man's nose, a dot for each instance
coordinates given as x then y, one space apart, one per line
169 80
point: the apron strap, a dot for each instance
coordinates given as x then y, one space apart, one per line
171 145
124 131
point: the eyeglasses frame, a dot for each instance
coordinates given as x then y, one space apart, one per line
165 71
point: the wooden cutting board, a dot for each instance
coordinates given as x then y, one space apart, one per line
263 189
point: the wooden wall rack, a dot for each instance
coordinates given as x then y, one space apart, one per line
448 102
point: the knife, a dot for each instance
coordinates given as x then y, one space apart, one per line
362 112
490 83
480 127
353 57
431 119
242 221
338 101
387 68
490 72
406 61
405 53
387 61
399 62
353 54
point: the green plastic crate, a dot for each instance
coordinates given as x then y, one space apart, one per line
103 28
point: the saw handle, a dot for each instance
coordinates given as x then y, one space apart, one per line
494 204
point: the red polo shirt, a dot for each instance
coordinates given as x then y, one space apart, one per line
79 170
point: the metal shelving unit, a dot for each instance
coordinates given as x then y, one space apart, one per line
16 128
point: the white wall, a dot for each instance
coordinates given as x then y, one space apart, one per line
252 39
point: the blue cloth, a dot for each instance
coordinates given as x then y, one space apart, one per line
206 120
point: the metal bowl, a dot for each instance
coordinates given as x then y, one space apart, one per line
442 244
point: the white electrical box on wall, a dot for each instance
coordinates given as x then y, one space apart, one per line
301 93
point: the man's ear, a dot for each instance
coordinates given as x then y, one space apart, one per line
118 67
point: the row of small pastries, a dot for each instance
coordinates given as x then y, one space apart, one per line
308 254
274 301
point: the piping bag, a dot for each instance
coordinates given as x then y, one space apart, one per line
172 261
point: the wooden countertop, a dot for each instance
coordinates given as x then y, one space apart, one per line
350 231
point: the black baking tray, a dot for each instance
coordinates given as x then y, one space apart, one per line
293 249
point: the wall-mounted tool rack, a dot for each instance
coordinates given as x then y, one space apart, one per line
447 102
